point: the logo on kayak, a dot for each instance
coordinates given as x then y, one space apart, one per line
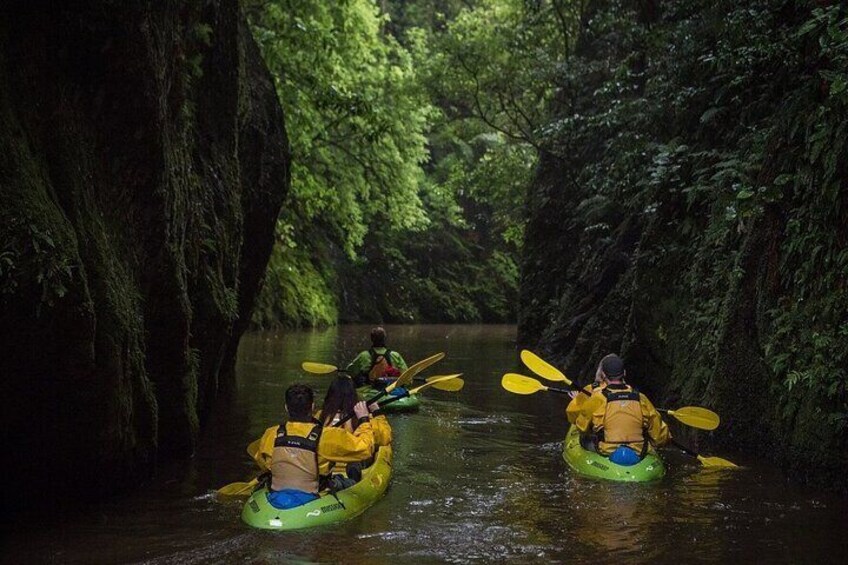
331 508
254 506
600 466
313 513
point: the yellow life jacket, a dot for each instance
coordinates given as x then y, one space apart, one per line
623 422
294 464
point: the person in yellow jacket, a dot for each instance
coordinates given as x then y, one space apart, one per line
339 401
302 451
623 420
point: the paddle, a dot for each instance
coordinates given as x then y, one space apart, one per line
320 368
326 369
694 416
705 461
405 378
519 384
547 371
408 392
451 385
238 488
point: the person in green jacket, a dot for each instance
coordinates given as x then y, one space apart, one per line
377 366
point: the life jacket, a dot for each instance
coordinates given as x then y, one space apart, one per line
294 464
623 418
380 364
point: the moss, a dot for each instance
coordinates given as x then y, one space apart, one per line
134 234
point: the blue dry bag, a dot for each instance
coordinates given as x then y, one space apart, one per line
624 456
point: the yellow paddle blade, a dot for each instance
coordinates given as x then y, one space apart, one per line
519 384
318 368
238 489
542 367
716 462
696 417
452 385
405 378
432 382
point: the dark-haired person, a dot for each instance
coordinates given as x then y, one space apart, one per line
621 421
302 451
339 401
378 365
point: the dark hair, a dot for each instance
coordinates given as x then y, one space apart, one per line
299 400
378 337
340 398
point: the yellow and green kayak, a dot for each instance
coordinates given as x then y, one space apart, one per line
328 508
591 464
403 405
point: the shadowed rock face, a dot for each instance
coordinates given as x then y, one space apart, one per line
637 243
143 162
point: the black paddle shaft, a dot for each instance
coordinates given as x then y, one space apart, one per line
344 420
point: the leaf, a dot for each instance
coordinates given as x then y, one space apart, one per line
838 85
711 113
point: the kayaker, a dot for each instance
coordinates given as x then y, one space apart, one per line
302 451
620 421
340 400
376 366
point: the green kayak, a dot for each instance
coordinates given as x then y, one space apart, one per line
591 464
403 405
327 509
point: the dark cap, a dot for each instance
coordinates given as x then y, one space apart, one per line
612 366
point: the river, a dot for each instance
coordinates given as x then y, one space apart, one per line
478 476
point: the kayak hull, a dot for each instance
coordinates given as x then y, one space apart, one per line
590 464
327 509
408 404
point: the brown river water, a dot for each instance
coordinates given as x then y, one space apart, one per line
478 477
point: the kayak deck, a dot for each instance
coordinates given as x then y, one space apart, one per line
590 464
403 405
327 509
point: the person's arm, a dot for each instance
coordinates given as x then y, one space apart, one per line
265 448
398 362
591 414
341 446
359 364
652 421
382 431
572 411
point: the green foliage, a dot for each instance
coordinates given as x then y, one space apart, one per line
355 115
366 194
298 289
736 132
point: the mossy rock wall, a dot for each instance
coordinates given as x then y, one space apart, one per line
691 213
143 162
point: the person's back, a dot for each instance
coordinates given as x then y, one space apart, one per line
301 451
339 402
377 365
619 416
